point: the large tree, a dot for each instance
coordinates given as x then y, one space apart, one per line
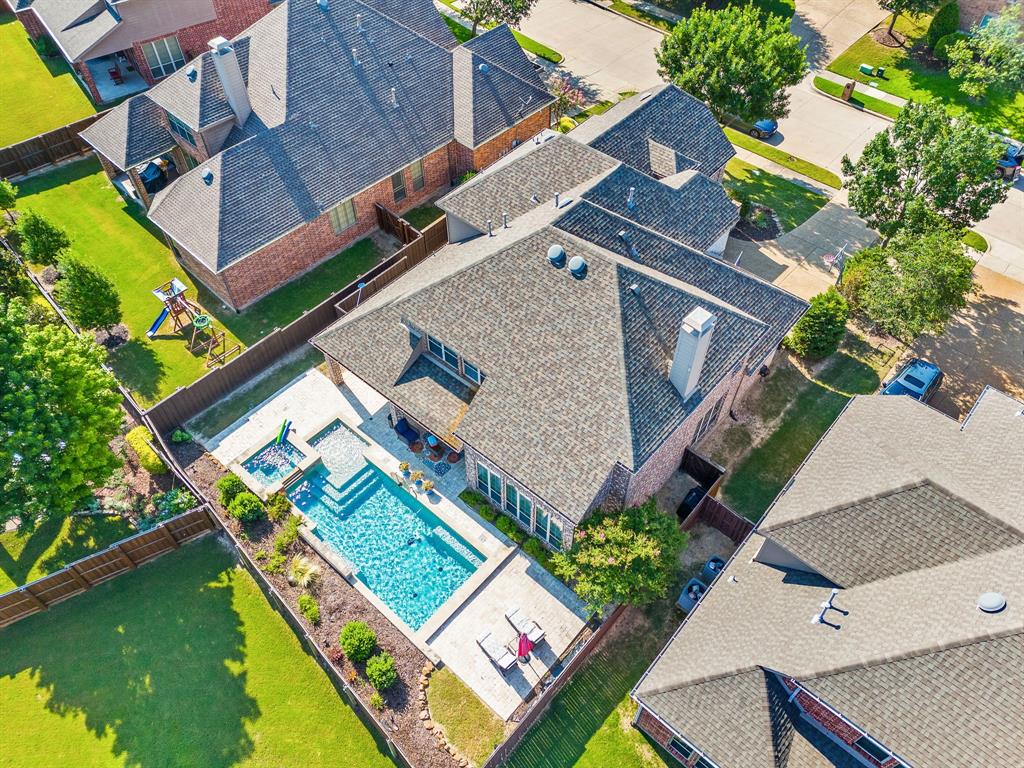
41 241
912 285
739 61
926 168
8 196
906 8
89 298
991 56
58 411
13 281
511 12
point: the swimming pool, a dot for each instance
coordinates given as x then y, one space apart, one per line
341 451
397 547
273 462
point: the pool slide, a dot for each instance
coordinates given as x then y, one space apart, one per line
287 425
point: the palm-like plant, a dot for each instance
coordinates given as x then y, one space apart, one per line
303 572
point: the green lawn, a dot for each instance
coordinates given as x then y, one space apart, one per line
462 34
25 557
783 158
858 99
783 8
116 237
792 203
807 408
36 94
424 215
908 77
468 723
183 663
974 240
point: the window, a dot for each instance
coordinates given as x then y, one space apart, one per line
343 216
471 372
872 748
445 354
416 171
488 483
163 56
517 505
681 748
436 347
190 162
398 186
708 420
548 529
180 129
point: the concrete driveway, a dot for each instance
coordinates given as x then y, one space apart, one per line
606 52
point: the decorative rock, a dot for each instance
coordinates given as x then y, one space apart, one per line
451 750
424 715
428 724
428 668
423 685
424 679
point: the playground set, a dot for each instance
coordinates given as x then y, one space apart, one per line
205 339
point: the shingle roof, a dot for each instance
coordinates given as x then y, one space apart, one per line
670 117
76 25
137 119
553 349
323 126
911 659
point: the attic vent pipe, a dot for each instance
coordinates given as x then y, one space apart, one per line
534 198
558 200
578 267
355 57
190 73
490 228
359 22
324 6
393 97
504 221
631 198
556 255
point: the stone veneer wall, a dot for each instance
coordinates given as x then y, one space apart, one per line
972 11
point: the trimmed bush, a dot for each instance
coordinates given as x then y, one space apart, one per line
288 535
536 550
181 436
377 701
357 640
381 671
510 529
303 572
480 503
945 22
139 439
278 507
175 502
246 507
817 334
310 608
230 486
941 50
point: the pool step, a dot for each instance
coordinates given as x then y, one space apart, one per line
448 538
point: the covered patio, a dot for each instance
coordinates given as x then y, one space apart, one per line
115 76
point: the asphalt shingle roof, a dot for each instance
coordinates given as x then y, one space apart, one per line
670 117
137 119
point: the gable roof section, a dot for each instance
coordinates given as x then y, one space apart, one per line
138 121
76 25
669 116
201 102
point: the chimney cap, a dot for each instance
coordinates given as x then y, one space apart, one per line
700 320
219 44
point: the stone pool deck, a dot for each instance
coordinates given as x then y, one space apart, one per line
507 578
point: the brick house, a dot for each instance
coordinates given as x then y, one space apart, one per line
120 47
574 336
976 12
265 155
876 615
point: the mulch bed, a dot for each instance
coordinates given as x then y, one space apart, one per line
339 604
751 232
881 36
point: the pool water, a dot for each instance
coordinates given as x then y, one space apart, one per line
273 462
341 451
397 547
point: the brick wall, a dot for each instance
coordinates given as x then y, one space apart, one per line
654 728
972 11
481 157
291 256
31 22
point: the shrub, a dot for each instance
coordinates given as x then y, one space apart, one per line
377 701
288 535
139 439
335 655
357 640
181 436
479 502
259 555
45 46
41 241
278 507
945 43
536 550
303 572
310 608
275 564
817 334
510 529
466 177
381 671
230 486
246 507
174 502
945 22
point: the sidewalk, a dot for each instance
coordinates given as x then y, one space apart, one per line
866 90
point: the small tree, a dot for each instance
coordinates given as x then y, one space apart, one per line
59 409
13 280
567 96
915 283
89 298
739 61
229 487
622 557
926 170
817 334
42 242
357 640
247 508
906 8
8 196
486 12
991 56
945 22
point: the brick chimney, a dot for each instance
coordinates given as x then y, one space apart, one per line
226 62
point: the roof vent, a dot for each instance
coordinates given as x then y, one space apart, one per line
324 6
991 602
631 198
624 235
578 267
484 68
534 198
556 255
393 97
191 73
207 176
355 58
359 22
635 289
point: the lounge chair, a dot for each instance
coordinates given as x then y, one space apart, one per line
524 625
406 432
500 656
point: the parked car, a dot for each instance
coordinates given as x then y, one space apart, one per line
1008 166
918 378
762 129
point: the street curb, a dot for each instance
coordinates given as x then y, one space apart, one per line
852 106
612 11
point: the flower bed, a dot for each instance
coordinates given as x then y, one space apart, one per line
339 603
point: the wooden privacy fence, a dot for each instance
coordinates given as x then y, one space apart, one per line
180 406
116 559
395 225
46 149
719 516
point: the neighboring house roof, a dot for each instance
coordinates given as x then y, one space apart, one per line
912 661
661 132
138 120
324 125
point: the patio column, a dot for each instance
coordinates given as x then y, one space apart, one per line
140 188
86 75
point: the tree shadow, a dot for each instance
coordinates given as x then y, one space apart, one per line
817 48
86 535
139 368
153 659
17 567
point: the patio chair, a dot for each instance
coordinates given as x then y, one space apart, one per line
524 625
406 432
500 656
115 75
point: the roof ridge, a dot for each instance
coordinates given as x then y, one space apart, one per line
402 24
494 63
703 680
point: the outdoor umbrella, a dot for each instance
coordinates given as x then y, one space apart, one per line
525 646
